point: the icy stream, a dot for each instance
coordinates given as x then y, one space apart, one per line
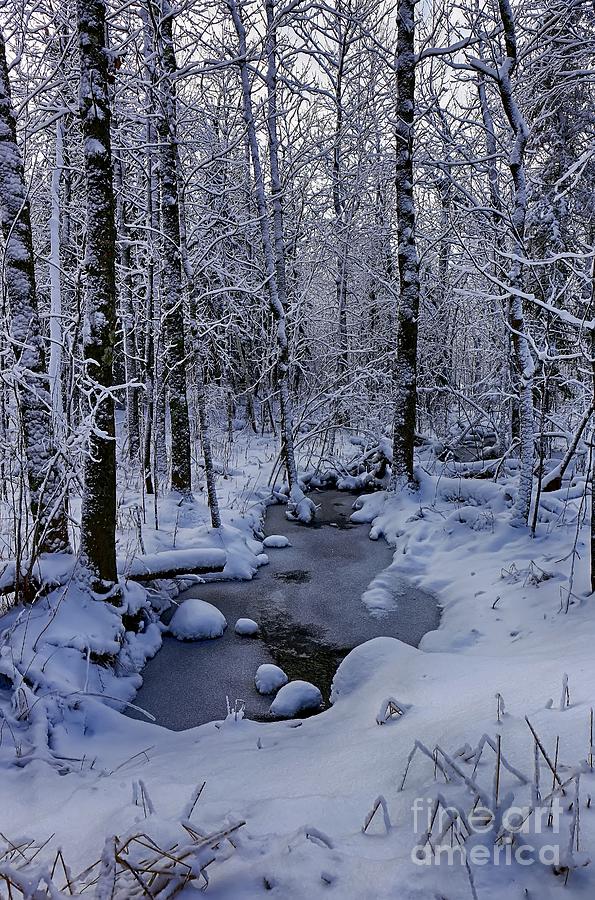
307 602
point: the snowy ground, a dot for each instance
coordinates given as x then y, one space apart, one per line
304 789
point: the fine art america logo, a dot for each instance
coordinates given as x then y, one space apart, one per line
481 837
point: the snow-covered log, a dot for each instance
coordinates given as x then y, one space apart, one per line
172 563
167 564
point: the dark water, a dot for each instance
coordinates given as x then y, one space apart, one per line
307 602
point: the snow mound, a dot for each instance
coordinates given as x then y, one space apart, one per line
278 541
294 697
196 620
246 627
365 661
269 678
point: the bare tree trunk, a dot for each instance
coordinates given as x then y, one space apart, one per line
194 354
128 318
205 439
591 474
150 223
274 257
405 368
522 505
341 227
98 515
44 473
275 298
55 360
171 272
504 421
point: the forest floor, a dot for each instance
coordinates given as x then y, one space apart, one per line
515 641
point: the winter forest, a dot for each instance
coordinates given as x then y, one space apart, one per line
297 407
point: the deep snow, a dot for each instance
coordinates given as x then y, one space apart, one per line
513 625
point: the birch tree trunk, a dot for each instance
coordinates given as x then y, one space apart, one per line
524 359
98 514
171 272
150 225
44 473
405 367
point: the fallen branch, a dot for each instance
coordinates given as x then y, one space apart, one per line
553 480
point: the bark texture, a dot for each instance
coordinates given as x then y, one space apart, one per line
98 514
405 368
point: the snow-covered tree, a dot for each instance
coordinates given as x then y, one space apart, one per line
45 476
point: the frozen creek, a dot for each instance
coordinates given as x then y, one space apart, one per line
308 605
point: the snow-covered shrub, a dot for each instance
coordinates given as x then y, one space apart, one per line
299 507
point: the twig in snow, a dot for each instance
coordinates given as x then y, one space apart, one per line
189 809
379 803
544 754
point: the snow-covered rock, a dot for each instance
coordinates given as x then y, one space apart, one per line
246 627
196 620
294 697
278 541
269 678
